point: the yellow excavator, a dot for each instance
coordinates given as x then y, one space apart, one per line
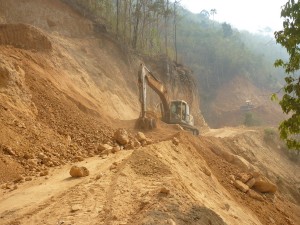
172 112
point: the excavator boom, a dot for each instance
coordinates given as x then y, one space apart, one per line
146 76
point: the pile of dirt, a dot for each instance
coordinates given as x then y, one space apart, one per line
24 36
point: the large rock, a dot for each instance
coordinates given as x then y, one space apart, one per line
76 171
121 136
263 185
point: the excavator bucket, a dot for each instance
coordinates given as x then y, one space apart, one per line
146 123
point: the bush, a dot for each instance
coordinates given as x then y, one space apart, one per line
251 120
269 134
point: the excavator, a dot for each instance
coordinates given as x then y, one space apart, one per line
172 112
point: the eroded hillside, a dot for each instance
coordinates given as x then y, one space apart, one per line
66 87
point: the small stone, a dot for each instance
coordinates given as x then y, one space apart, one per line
28 178
241 186
244 177
251 182
170 222
76 207
232 177
206 171
79 158
164 190
9 151
44 173
255 195
99 176
76 171
115 149
19 179
175 141
149 141
102 147
141 136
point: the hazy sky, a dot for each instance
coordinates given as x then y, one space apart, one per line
251 15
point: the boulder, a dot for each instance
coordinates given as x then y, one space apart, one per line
76 171
121 136
241 186
263 185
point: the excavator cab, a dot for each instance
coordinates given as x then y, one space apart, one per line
180 113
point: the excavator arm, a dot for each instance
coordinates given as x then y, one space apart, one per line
147 78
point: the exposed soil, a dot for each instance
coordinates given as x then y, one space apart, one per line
65 90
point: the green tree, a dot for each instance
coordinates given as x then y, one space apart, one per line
289 38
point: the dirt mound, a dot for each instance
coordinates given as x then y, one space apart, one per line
24 36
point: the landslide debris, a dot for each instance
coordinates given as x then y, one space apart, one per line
24 36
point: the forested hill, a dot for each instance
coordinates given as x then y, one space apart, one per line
216 52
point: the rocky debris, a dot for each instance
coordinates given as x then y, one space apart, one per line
7 150
76 171
263 185
241 186
121 136
252 183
